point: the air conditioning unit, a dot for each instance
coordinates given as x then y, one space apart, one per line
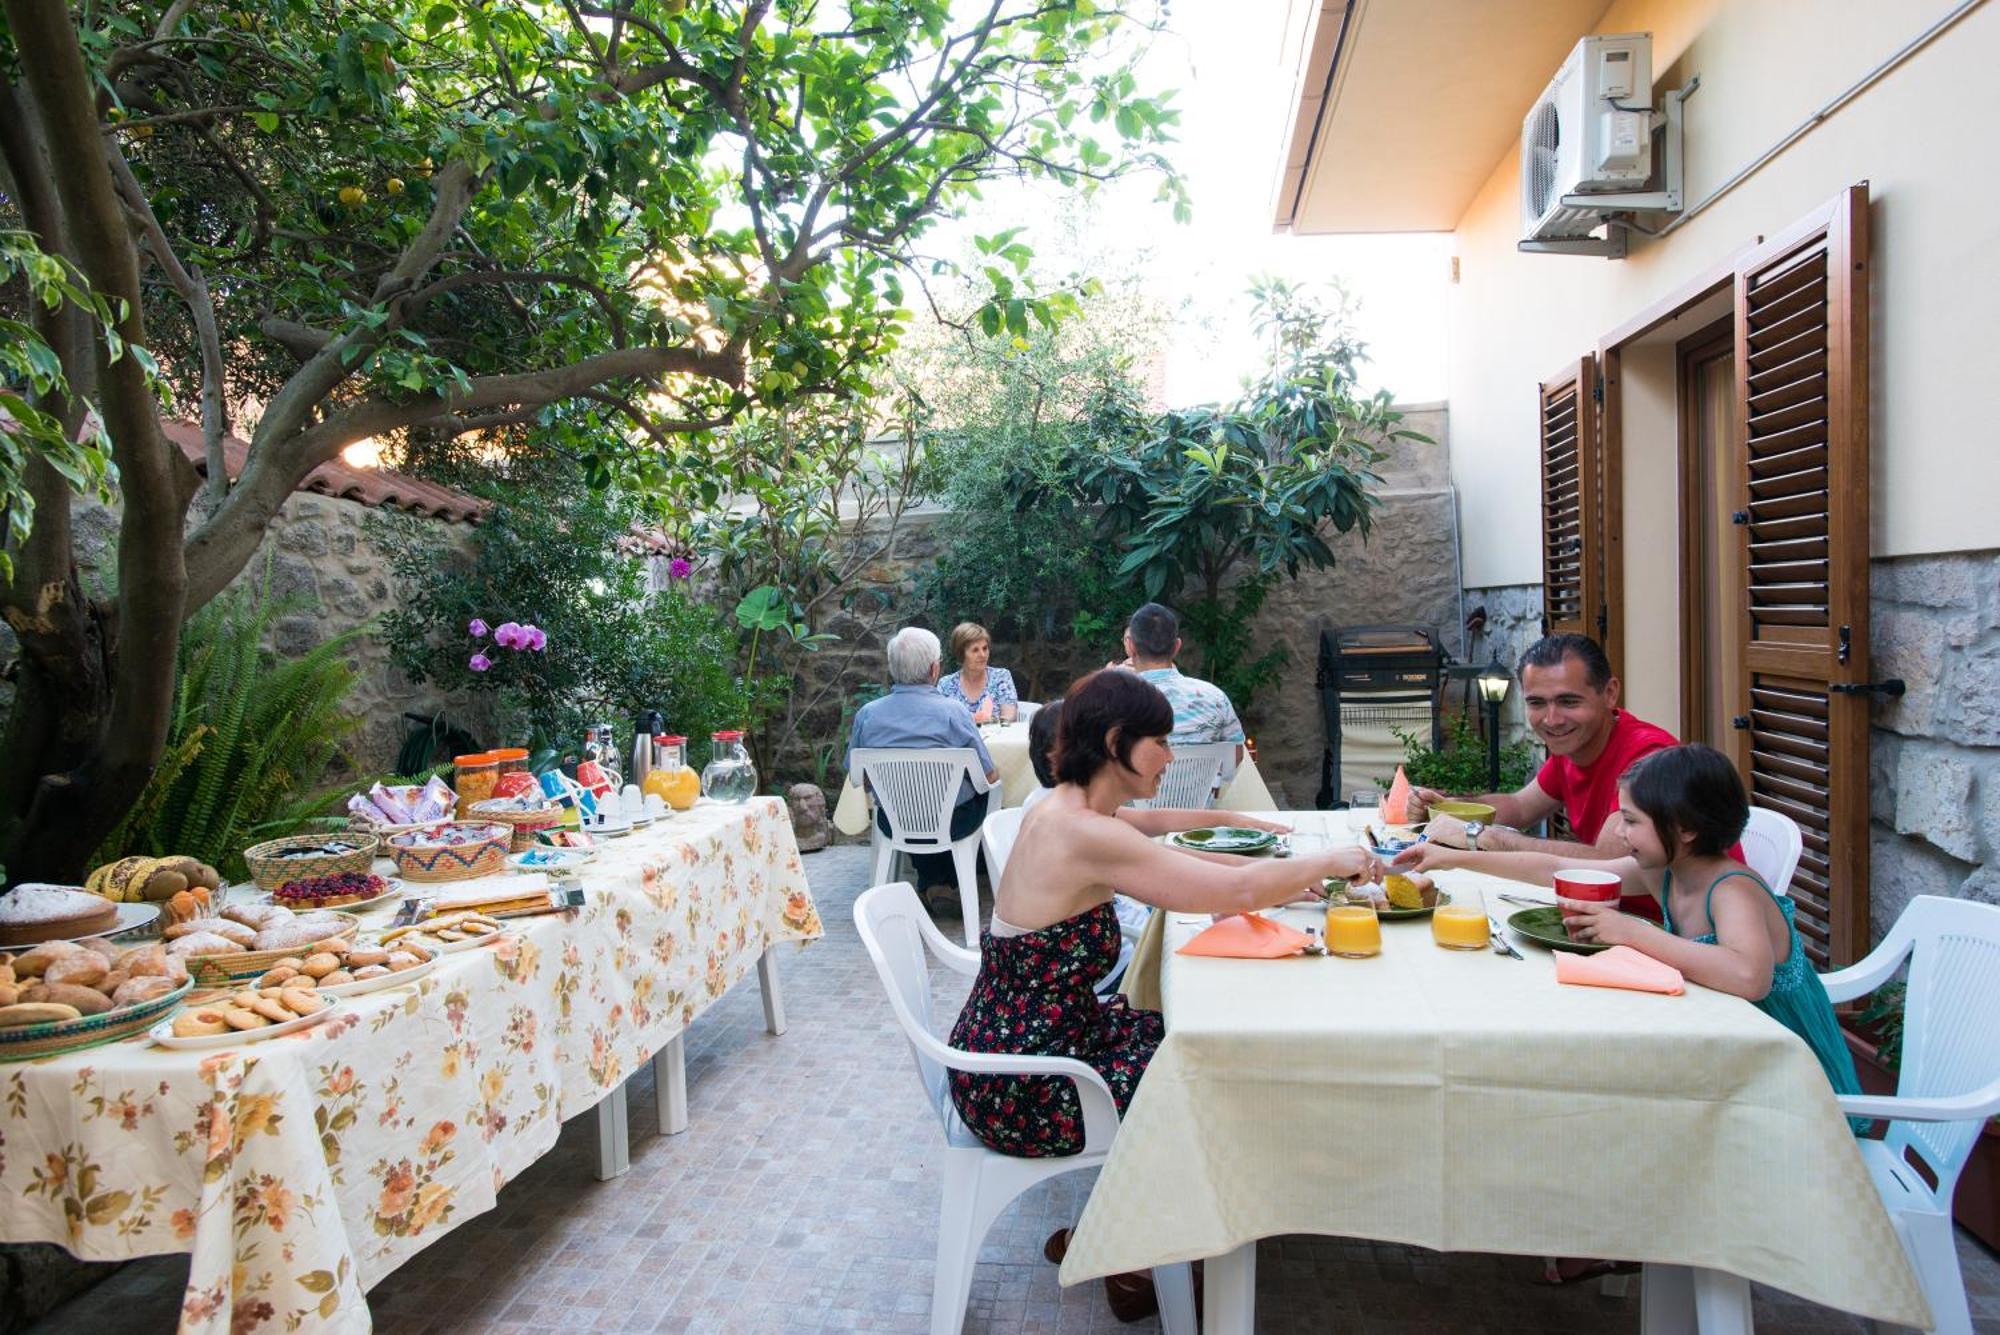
1589 133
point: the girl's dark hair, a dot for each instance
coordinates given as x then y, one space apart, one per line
1042 742
1691 790
1107 699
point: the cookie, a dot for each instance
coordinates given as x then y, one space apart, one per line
335 979
241 1017
321 964
364 956
272 1008
199 1024
400 960
370 971
301 1002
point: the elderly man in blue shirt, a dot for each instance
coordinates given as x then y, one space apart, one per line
914 715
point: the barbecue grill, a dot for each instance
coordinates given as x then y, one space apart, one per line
1373 679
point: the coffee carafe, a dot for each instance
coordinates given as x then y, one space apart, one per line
650 722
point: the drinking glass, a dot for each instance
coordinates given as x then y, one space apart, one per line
1462 924
1363 807
1353 931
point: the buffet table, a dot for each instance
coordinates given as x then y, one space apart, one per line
1466 1101
300 1171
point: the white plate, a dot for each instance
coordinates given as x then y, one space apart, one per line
163 1032
396 890
131 917
557 859
363 986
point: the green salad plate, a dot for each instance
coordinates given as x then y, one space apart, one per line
1545 928
1227 839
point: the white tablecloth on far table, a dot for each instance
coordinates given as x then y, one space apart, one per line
1007 743
300 1171
1465 1101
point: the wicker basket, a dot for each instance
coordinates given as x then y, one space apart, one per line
526 824
23 1042
420 861
271 871
228 969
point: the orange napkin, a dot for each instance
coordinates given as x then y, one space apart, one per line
1620 966
1396 803
1245 936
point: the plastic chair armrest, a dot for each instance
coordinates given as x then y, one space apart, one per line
1865 975
1100 1113
1976 1106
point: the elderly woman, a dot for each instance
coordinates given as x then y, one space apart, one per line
1054 933
986 690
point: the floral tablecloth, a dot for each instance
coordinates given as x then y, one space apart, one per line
300 1171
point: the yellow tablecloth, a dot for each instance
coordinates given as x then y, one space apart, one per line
1464 1101
302 1170
1008 745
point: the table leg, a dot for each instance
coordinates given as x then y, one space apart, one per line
614 1138
774 999
670 1085
1666 1300
1721 1303
1229 1306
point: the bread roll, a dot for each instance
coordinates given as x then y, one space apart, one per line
30 963
10 993
87 1000
136 990
28 1012
83 968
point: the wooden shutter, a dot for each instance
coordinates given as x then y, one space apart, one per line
1572 502
1802 411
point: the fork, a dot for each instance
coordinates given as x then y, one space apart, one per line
1501 946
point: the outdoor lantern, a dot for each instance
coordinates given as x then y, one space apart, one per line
1494 683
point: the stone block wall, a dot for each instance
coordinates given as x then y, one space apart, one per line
1934 754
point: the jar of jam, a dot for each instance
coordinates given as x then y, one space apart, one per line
474 779
514 777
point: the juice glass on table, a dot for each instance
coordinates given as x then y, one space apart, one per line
1353 931
1600 887
1462 924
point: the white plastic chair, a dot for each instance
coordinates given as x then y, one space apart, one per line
1772 845
978 1182
917 789
1193 776
997 838
1024 710
1949 1082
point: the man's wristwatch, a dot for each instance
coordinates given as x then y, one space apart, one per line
1473 829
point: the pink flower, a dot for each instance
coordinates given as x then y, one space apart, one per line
679 568
479 662
537 639
477 629
508 635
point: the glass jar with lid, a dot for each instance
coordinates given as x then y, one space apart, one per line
729 776
515 779
670 778
474 778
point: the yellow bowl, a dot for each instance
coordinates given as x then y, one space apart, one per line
1478 811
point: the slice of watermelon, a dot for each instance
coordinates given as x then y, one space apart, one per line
1396 805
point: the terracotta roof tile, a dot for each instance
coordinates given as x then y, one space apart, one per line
374 487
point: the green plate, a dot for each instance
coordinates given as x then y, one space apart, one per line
1226 839
1336 893
1545 928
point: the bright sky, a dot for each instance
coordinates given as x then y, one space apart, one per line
1232 83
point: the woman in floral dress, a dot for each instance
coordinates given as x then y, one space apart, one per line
986 690
1053 933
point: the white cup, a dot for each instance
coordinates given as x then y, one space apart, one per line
631 801
655 805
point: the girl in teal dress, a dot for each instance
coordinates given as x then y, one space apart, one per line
1681 810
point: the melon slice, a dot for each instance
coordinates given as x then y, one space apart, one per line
1396 805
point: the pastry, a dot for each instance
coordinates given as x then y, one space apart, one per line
136 990
33 1012
337 978
321 964
204 943
282 974
199 1024
31 963
327 891
363 956
242 1017
32 913
370 971
400 960
301 1002
271 1009
86 1000
84 967
258 916
290 936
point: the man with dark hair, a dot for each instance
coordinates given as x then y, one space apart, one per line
1572 700
1202 711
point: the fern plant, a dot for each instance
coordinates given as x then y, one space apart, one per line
251 741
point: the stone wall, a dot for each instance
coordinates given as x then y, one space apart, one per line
1934 754
1405 571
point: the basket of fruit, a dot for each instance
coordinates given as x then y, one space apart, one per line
298 856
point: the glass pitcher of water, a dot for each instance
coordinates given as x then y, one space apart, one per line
729 775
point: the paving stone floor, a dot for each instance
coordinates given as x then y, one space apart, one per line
802 1198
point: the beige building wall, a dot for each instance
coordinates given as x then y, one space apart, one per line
1920 136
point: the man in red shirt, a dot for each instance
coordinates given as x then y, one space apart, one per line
1572 701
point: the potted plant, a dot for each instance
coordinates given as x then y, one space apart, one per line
1875 1036
1459 766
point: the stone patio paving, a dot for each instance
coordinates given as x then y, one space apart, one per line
802 1198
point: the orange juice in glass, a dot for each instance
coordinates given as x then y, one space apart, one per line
1461 924
1353 931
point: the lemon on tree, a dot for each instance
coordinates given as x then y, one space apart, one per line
353 196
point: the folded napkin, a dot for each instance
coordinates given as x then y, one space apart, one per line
1245 936
1620 966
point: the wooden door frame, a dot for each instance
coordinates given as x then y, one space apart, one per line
1701 346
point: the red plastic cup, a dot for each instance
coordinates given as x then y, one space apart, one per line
1599 887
